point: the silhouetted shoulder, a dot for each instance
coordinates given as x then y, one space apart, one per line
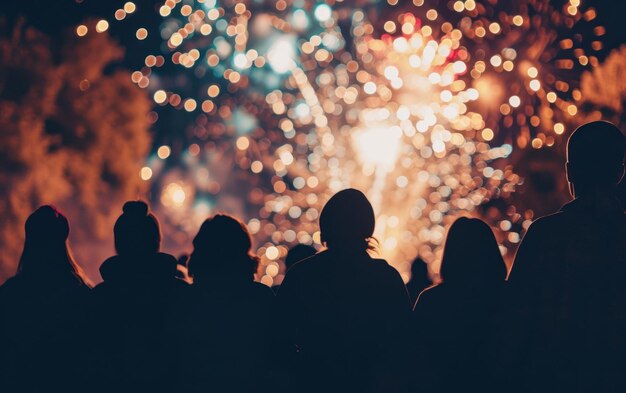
308 263
575 215
427 293
166 258
570 232
9 285
326 256
262 292
547 223
543 225
428 299
532 247
119 268
383 267
8 289
326 261
21 285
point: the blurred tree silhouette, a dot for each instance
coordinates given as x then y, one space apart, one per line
74 133
604 90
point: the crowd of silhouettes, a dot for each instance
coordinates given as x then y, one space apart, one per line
341 320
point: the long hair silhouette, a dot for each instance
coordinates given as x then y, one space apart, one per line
222 250
471 254
46 251
457 320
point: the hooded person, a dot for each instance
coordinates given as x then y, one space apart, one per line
135 304
43 307
342 312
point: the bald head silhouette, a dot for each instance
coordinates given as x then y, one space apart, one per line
595 158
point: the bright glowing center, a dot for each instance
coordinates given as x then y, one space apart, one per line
378 146
281 56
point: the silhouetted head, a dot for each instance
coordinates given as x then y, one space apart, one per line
419 273
46 249
347 221
471 254
222 251
137 231
595 157
298 253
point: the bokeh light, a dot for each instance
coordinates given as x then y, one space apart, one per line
415 103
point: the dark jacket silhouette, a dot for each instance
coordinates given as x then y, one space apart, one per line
43 341
343 314
225 321
456 320
568 278
134 306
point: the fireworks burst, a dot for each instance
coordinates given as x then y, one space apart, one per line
415 105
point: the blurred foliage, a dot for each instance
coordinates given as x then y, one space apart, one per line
604 96
74 133
604 90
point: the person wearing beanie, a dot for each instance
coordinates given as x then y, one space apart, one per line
42 311
134 304
137 231
342 314
138 263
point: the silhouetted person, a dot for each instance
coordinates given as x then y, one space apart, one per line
420 279
296 254
134 305
343 313
569 277
43 312
226 317
456 320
